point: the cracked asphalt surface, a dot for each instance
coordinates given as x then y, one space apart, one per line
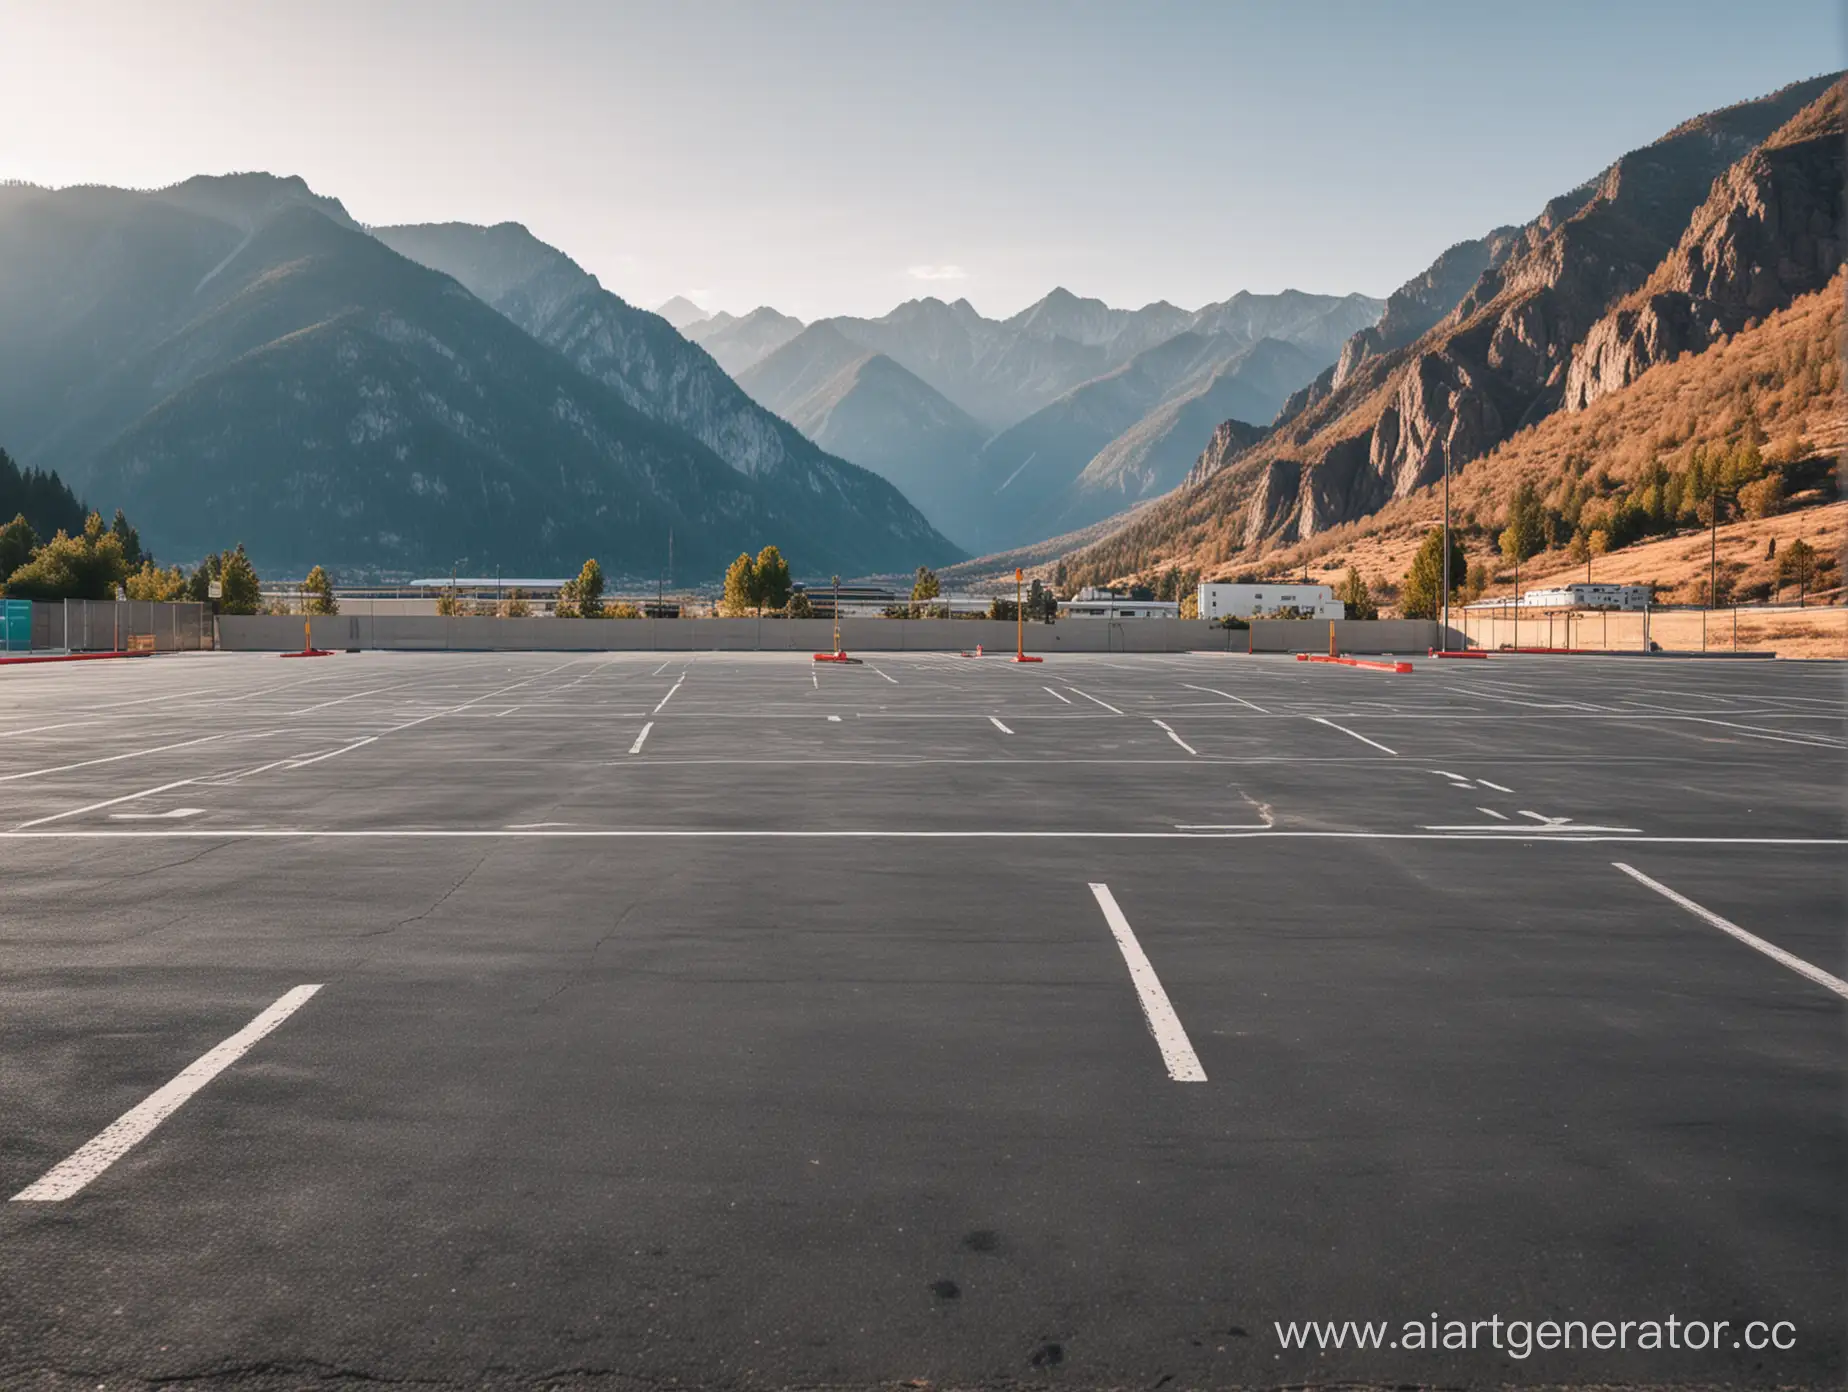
790 1052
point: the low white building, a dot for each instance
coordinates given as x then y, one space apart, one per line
1228 601
1629 597
1094 602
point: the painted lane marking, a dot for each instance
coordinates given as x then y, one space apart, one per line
1089 697
893 680
110 758
1565 828
115 1140
1437 833
1324 720
333 753
1177 1053
1491 812
1496 786
107 802
340 700
173 814
636 748
1055 695
1214 691
999 726
1753 732
1177 739
1441 773
834 720
1548 821
670 695
41 729
1751 940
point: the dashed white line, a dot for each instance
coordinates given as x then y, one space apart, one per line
1323 720
1751 940
1496 786
636 748
109 1145
670 696
999 726
1177 739
1089 697
1055 695
1177 1054
1491 812
893 680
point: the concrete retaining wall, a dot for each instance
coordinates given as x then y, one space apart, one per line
281 633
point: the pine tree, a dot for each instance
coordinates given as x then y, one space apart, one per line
1356 597
587 591
1421 596
770 582
740 588
17 543
318 593
240 591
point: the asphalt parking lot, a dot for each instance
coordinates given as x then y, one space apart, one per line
736 1021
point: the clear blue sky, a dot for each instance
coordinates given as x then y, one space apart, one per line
842 157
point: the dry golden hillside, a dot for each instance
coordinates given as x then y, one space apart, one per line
1774 388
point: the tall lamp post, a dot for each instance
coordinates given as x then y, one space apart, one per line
1444 637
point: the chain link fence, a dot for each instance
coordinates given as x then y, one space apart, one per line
1791 631
125 625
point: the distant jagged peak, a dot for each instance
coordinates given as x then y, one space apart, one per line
247 199
764 314
499 263
680 312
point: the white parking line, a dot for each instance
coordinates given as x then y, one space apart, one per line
1323 720
999 726
1089 697
1177 1053
333 753
893 680
1055 695
1214 691
636 748
99 806
1751 940
1496 786
1491 812
109 759
670 695
1177 739
115 1140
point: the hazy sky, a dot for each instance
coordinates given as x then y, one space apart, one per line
841 157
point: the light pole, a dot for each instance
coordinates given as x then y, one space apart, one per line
1444 637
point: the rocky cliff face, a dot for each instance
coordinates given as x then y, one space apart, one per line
1499 360
1649 257
1770 230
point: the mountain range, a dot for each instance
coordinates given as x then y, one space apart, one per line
1689 245
1005 432
236 359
